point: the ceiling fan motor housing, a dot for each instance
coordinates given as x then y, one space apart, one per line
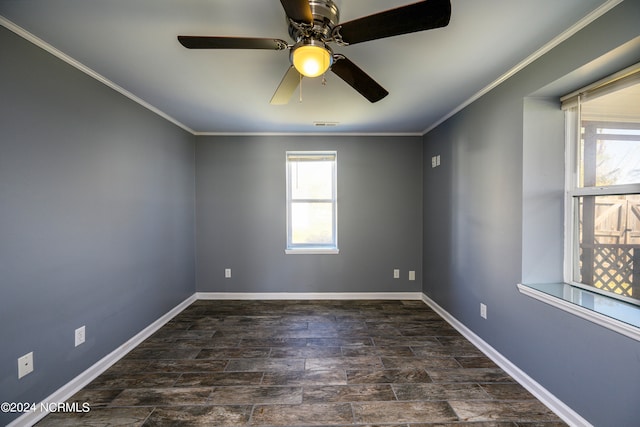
325 16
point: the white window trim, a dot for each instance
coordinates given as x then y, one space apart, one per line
327 249
311 251
559 295
617 81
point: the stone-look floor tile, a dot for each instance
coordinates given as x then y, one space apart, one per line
433 391
198 344
307 363
415 362
491 410
405 412
273 342
507 392
440 330
361 362
401 341
133 380
260 334
541 424
95 398
304 352
168 335
346 327
256 394
126 366
439 350
475 362
473 424
187 365
340 342
162 397
307 334
302 415
244 365
457 342
377 351
200 416
100 417
320 377
479 375
348 393
234 353
206 324
220 340
211 379
388 376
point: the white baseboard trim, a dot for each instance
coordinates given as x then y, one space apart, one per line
567 414
79 382
308 295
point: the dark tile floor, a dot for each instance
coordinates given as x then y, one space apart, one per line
306 363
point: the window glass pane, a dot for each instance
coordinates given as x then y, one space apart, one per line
312 223
608 238
311 201
311 180
610 144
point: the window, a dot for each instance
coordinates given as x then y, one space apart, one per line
311 202
603 186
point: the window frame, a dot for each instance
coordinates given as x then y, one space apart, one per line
312 248
573 191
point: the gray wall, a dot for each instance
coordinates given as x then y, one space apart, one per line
493 217
240 187
96 219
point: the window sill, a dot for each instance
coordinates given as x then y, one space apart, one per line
312 251
610 313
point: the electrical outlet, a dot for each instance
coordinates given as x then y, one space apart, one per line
396 273
483 311
412 275
80 335
227 273
25 365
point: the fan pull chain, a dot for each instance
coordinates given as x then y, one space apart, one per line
300 85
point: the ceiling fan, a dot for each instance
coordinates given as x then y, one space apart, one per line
313 24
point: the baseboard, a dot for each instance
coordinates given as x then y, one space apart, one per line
79 382
567 414
308 295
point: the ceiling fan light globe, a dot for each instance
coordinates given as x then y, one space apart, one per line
311 60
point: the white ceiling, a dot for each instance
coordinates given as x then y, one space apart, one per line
132 43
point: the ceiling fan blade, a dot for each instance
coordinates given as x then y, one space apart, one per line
206 42
425 15
287 86
298 10
358 79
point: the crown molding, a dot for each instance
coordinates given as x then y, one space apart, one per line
90 72
404 134
595 14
